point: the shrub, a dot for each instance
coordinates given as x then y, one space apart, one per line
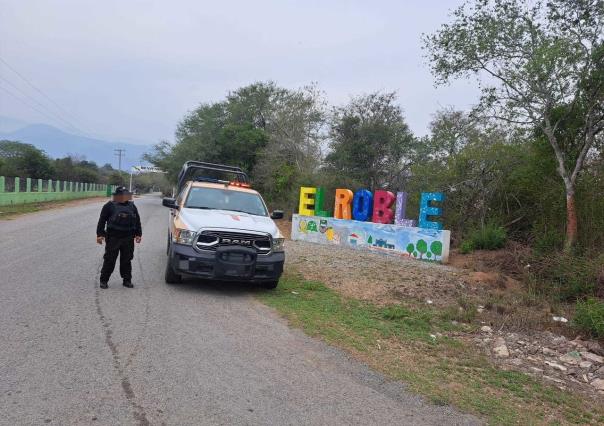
489 237
589 317
548 242
565 277
395 312
466 247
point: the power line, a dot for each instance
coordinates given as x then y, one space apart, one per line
35 88
54 114
27 104
29 83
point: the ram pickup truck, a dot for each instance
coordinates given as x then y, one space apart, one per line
220 229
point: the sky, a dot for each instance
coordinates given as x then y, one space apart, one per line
130 70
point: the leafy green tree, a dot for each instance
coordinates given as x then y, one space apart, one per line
292 156
25 160
118 178
452 130
271 132
197 138
240 143
370 141
541 63
151 182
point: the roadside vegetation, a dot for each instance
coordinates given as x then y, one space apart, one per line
24 160
522 172
14 210
524 167
417 344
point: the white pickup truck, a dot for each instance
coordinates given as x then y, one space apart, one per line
221 229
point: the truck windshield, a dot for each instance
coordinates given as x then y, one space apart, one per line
223 199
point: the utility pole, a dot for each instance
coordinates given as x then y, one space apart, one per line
119 153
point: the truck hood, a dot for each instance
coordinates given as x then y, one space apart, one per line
195 219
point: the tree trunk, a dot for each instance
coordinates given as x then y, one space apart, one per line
571 221
569 185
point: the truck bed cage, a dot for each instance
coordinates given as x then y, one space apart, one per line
191 168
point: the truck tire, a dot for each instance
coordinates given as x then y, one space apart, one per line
170 276
270 285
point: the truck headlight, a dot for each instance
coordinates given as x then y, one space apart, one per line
183 236
278 244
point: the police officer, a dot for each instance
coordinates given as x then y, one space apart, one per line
123 227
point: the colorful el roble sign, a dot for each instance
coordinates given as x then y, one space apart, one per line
374 221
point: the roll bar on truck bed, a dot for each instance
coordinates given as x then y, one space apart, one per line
191 168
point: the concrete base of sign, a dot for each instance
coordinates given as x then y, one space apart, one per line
417 243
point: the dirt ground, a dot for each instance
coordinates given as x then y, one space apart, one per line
516 330
376 277
388 279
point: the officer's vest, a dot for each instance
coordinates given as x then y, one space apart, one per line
123 217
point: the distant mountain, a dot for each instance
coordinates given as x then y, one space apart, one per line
57 143
9 124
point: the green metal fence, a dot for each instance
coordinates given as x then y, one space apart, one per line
22 191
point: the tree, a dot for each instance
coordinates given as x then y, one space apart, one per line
292 155
541 64
273 133
117 178
370 141
452 130
25 160
240 143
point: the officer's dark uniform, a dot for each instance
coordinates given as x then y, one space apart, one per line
123 225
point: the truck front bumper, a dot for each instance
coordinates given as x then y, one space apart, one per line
229 264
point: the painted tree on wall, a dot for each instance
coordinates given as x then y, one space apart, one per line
422 248
410 249
436 248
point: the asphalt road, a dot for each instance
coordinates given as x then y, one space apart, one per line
189 354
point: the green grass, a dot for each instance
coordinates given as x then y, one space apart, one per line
489 237
17 209
8 212
405 342
589 317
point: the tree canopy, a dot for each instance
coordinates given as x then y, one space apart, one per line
541 66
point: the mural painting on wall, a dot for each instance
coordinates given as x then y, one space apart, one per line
374 222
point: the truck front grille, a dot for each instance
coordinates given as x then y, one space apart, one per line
210 240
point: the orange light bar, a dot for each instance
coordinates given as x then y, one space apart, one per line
240 184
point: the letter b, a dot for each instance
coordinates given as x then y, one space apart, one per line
382 201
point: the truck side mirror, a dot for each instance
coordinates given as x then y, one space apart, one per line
170 202
277 214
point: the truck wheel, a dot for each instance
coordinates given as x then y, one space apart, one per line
270 285
171 277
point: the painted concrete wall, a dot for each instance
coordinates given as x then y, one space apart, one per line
55 191
418 243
